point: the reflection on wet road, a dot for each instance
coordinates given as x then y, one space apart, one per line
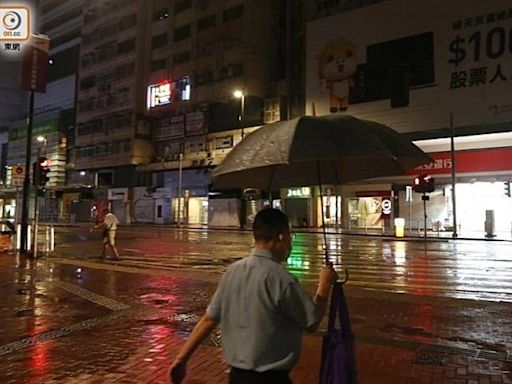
461 269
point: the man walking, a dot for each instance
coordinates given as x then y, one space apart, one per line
262 310
109 226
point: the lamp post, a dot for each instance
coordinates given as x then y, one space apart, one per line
240 95
42 139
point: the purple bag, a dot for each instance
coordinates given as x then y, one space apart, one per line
338 364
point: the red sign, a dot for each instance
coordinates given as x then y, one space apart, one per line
470 161
35 64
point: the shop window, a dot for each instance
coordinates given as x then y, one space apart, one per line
105 179
159 41
181 33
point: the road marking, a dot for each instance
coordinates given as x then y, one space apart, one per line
63 331
91 296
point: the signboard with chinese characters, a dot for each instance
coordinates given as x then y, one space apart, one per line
34 70
17 175
470 161
168 92
458 61
299 193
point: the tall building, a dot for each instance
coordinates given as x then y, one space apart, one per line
157 78
429 74
200 54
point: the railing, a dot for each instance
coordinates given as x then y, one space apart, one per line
53 218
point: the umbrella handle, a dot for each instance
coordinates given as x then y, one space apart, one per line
345 277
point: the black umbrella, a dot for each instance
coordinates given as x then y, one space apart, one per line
306 151
333 149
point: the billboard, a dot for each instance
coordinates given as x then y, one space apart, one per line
168 92
412 63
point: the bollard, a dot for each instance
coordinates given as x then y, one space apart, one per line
399 226
52 238
46 239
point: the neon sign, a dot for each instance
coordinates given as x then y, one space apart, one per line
168 92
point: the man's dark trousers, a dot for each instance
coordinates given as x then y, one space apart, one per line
241 376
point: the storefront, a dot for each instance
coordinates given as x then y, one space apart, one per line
370 210
297 205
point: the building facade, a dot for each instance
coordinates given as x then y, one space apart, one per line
426 73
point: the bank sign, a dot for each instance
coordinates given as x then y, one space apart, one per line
413 63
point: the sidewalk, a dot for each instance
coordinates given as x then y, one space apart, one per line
112 327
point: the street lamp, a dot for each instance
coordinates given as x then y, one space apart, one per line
42 139
240 95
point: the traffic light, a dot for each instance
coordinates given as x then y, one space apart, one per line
40 170
507 188
424 184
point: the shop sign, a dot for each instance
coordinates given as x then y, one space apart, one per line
299 193
478 160
386 206
18 175
195 123
168 92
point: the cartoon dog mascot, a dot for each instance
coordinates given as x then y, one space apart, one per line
337 63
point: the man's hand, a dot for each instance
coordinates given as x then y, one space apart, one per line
328 276
177 372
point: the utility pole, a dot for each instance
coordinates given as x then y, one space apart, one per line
452 152
26 182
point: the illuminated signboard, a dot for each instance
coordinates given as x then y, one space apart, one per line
168 92
303 192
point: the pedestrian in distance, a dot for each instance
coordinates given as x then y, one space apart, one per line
261 309
109 226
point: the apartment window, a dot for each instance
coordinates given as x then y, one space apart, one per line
206 49
158 65
125 70
88 59
87 82
180 58
107 30
159 41
123 120
126 46
106 51
233 13
206 22
181 33
161 14
182 5
127 22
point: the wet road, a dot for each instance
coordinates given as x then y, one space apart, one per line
436 312
459 269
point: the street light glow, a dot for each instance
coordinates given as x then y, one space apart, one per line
238 94
41 138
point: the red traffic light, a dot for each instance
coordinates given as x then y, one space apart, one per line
424 184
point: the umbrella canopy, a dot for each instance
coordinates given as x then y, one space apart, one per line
305 151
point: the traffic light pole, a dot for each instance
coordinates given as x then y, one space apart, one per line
452 152
424 198
26 182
